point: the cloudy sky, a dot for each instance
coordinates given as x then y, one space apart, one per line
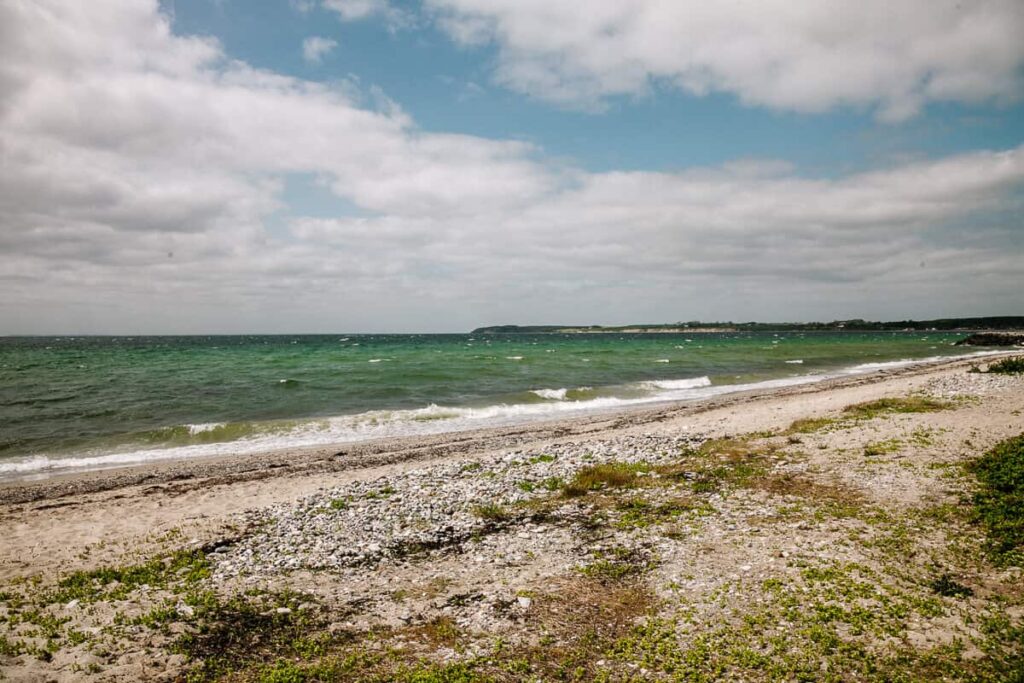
195 166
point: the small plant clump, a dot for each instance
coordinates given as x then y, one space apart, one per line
809 425
638 513
613 475
1008 366
882 406
948 587
882 447
616 564
491 512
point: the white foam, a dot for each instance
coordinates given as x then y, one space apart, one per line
205 427
674 384
555 394
906 362
431 419
798 361
513 357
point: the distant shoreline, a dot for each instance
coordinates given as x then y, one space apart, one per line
965 325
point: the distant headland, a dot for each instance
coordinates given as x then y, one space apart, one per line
698 327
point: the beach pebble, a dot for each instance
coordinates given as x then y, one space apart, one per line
430 511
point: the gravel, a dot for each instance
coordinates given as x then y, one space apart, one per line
429 510
971 384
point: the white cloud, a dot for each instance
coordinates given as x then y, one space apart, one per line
315 48
143 184
303 6
357 10
805 56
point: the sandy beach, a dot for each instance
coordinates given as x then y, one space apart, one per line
709 540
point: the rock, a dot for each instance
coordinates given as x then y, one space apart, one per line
992 339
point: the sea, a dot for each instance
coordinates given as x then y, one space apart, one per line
75 403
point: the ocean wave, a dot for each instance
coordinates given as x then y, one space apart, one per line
553 394
241 438
796 361
205 427
906 362
673 384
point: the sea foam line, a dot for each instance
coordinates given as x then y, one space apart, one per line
431 419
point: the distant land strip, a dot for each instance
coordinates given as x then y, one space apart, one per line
697 327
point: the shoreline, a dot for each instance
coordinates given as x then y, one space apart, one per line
346 456
836 512
227 429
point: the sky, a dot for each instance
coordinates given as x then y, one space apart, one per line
288 166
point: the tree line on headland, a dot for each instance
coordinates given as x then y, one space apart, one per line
942 324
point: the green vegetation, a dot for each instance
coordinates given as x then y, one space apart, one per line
882 447
582 619
923 437
999 501
946 586
1008 366
492 512
883 406
384 492
870 410
613 475
228 635
837 622
616 564
638 513
115 583
809 425
726 464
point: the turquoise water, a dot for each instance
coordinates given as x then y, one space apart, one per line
97 401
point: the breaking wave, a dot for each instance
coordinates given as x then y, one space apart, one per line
240 438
